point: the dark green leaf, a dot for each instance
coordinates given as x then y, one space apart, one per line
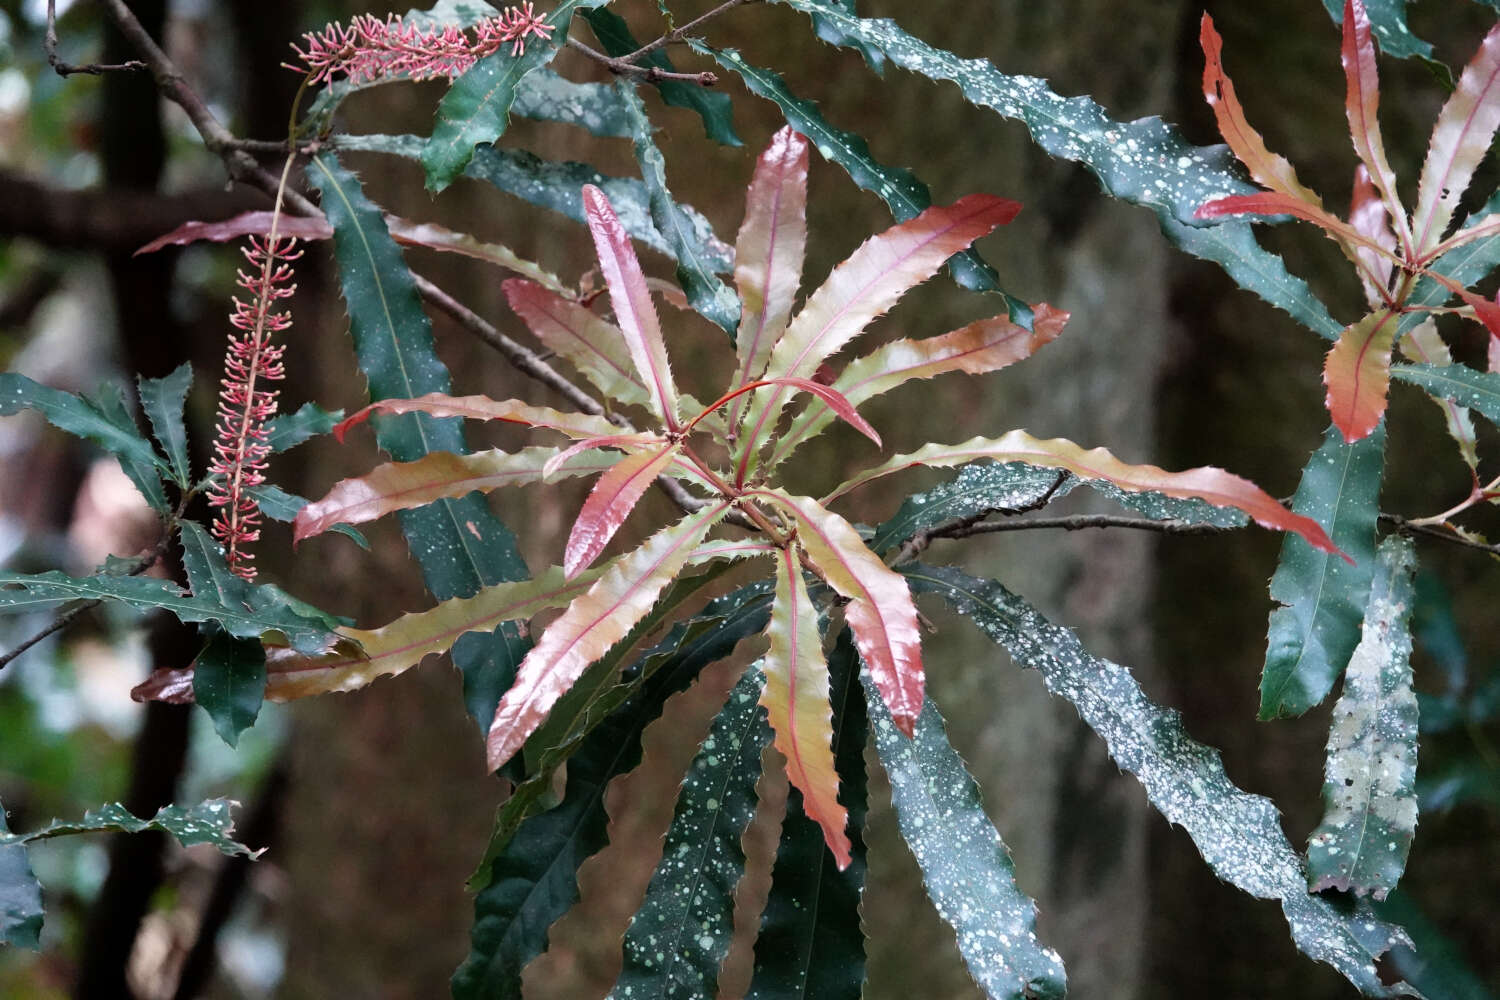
810 942
1145 162
557 187
532 879
279 505
291 429
19 591
1460 383
1434 964
205 823
831 32
695 264
20 896
229 682
966 867
163 399
715 108
476 108
1322 598
978 488
459 543
1238 834
102 420
594 107
902 192
680 935
1369 793
1388 25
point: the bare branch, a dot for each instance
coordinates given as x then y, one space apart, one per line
680 34
651 74
49 45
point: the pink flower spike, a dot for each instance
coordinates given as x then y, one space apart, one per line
370 49
245 403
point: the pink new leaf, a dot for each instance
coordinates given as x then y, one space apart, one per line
437 404
1357 373
1462 135
1368 216
880 612
1361 105
1425 345
440 475
1276 203
624 442
612 499
631 298
245 224
1215 486
796 702
596 348
594 622
1267 168
768 255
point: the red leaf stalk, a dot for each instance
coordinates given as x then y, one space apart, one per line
246 402
368 49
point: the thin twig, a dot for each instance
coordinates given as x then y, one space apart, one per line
651 74
49 45
1077 522
1405 526
915 545
679 34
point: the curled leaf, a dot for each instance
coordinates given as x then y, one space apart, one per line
438 404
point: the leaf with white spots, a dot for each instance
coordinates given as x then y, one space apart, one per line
680 935
1369 780
978 488
205 823
20 896
810 942
965 865
1238 834
1312 633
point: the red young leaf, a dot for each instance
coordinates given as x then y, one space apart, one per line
1267 168
830 396
1362 105
1220 488
1276 203
880 612
624 442
1357 373
1462 135
1487 226
596 348
612 499
796 702
1369 218
403 485
1485 311
631 298
577 425
245 224
595 621
768 255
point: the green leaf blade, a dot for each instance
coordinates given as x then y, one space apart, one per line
207 822
21 912
1312 634
229 681
163 399
291 429
1460 383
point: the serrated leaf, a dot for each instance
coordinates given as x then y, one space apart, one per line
1388 23
768 254
1315 628
595 620
545 95
795 698
291 429
681 933
966 867
1369 780
635 313
101 419
1424 345
610 502
1274 203
880 611
476 108
279 505
162 399
1238 834
592 345
513 411
978 488
1464 385
1435 964
1361 106
706 294
229 681
1370 218
403 485
21 911
983 346
207 822
1460 139
903 193
556 187
528 879
715 108
810 942
459 543
1357 373
20 591
440 238
1213 485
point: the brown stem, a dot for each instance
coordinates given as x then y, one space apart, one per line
651 74
678 34
49 45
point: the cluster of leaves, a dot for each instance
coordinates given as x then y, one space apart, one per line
842 660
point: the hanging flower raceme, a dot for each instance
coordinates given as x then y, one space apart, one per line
368 48
246 402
